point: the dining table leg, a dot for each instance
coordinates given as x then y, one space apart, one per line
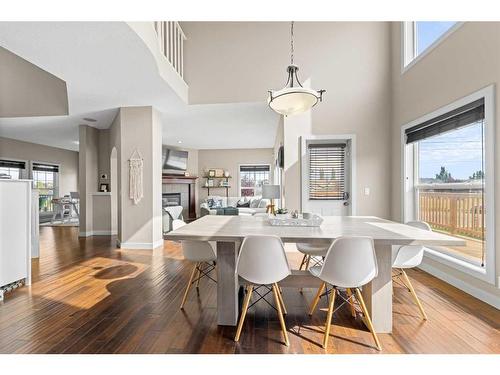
227 283
378 293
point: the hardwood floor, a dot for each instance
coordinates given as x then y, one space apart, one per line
89 297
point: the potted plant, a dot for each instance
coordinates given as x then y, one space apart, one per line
281 213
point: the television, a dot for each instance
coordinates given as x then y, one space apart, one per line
281 157
174 161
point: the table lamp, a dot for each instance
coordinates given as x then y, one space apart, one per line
271 192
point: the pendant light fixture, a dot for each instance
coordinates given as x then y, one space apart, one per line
293 98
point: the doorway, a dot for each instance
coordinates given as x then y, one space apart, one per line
328 174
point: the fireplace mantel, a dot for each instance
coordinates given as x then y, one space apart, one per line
190 181
178 179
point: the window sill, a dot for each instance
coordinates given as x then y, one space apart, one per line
468 268
415 60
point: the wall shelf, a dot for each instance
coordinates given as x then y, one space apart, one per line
224 178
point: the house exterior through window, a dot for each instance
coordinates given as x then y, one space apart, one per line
252 177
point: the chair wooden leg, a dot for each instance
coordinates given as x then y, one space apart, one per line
280 295
316 298
246 302
414 295
351 302
188 287
308 261
198 276
302 262
367 318
280 313
329 319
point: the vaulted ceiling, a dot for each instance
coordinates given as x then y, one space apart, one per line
105 66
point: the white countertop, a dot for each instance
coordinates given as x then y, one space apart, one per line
235 228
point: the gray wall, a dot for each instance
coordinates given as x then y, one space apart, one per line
138 128
468 60
27 90
351 60
230 159
68 174
88 166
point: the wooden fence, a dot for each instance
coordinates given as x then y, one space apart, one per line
460 213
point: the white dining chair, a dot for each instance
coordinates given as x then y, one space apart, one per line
262 262
203 254
315 251
409 256
349 264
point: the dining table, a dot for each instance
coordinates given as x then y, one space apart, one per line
229 231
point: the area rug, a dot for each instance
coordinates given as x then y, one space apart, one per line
56 223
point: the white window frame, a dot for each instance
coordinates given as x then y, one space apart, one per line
408 168
304 171
409 55
253 165
57 192
24 175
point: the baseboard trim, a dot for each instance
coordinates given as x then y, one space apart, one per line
102 233
478 293
97 233
141 245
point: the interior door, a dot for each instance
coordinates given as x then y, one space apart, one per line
327 176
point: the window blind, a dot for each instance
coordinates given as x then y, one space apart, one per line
45 167
12 164
327 171
254 168
458 118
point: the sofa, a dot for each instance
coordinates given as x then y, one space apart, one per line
211 205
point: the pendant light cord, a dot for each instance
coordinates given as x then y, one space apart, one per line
291 44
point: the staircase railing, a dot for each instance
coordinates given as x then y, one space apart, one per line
171 39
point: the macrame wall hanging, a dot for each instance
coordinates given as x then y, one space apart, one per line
136 166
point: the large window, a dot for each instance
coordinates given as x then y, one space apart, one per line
252 177
326 171
420 36
447 170
45 180
12 168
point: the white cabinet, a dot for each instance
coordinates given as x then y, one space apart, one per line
15 231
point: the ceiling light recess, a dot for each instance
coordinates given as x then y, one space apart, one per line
293 98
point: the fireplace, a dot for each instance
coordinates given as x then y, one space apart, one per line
171 199
180 191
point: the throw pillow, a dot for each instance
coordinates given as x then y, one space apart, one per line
217 203
243 204
210 202
254 202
